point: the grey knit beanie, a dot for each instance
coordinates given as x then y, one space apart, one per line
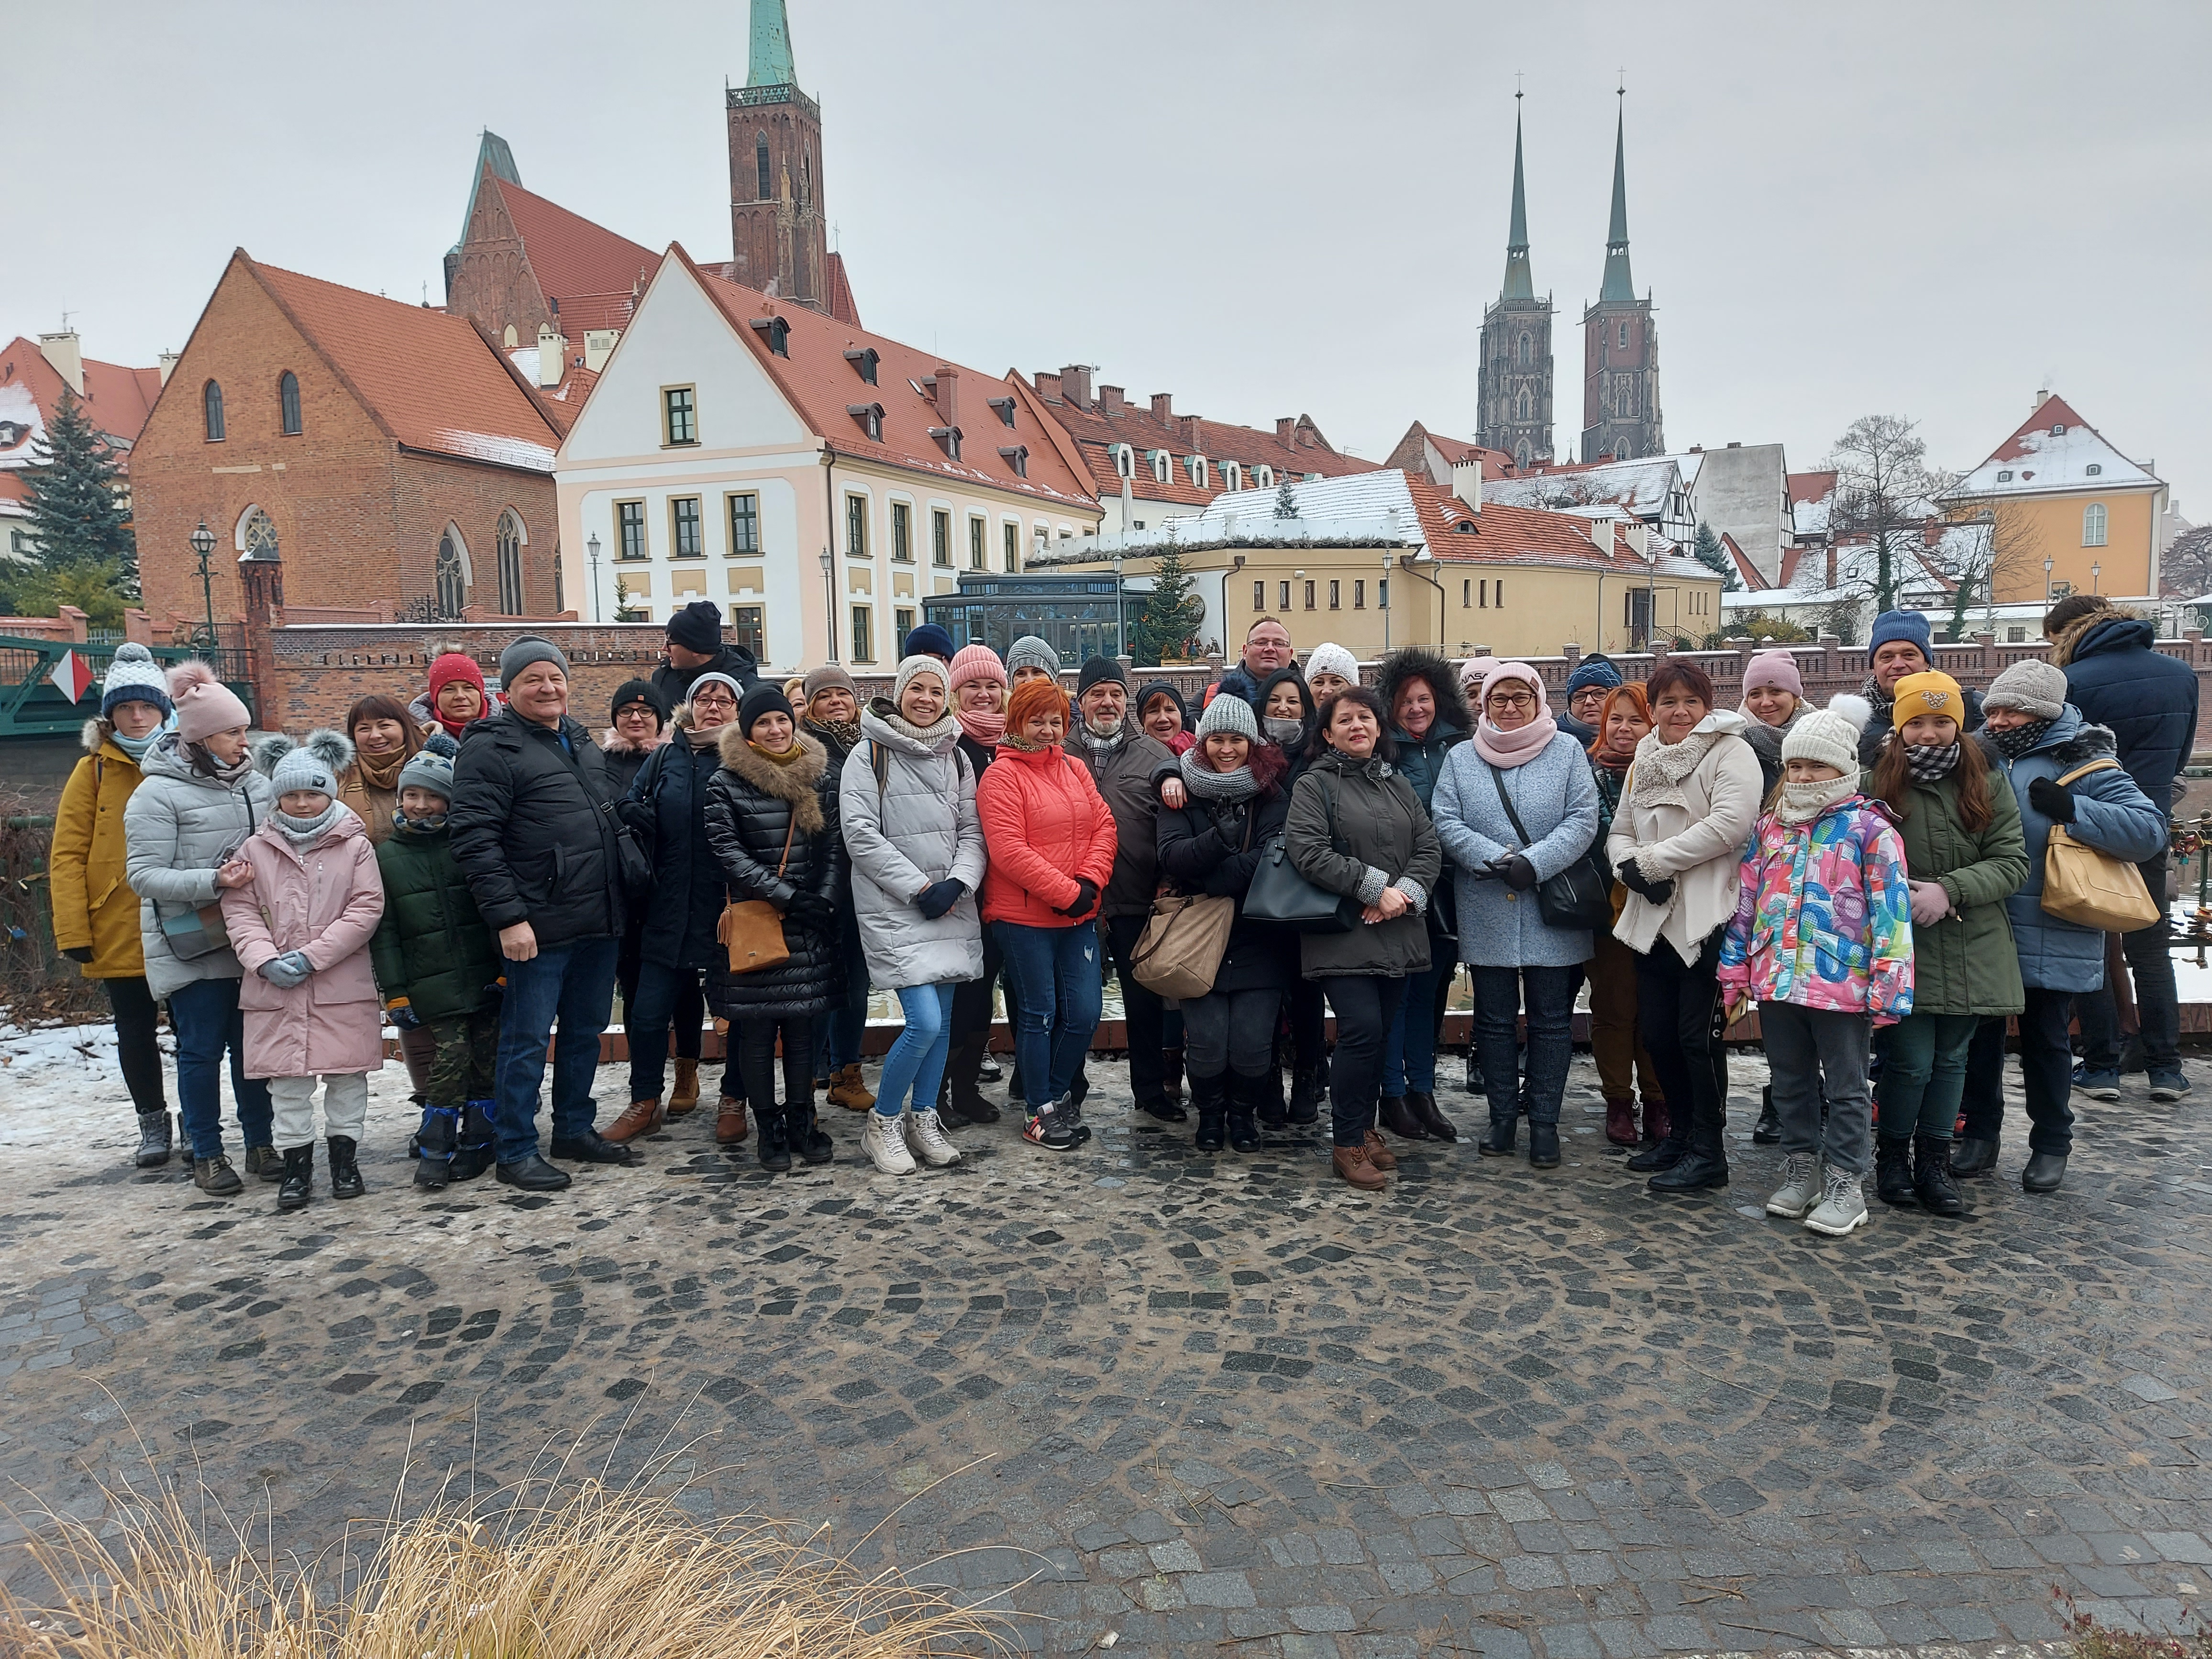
1228 714
1031 652
432 767
526 651
313 765
2033 686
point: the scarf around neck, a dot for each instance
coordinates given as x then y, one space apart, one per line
985 726
1290 735
846 733
944 726
1517 747
1875 694
1931 762
135 747
428 824
1022 745
383 775
2020 740
304 833
1661 768
1203 782
1801 803
773 756
1107 744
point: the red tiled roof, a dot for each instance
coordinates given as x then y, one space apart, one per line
432 380
575 261
1810 486
1511 535
821 383
118 399
842 305
1098 427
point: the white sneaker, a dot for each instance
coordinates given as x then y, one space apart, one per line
885 1146
1801 1187
1843 1208
925 1139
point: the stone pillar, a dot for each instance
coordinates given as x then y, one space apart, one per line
262 580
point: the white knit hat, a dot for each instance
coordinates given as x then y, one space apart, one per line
134 675
1331 659
920 663
1228 713
1829 736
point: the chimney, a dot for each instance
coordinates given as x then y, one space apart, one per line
552 354
169 362
598 346
1075 383
946 385
66 353
1163 406
1048 387
1287 431
1735 446
1109 399
1467 483
1639 538
2042 394
1600 532
1832 567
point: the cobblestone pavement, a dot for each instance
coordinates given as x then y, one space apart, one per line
1204 1404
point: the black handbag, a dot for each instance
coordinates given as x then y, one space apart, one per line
1280 894
1580 897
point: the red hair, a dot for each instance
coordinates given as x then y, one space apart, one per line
1032 698
1628 691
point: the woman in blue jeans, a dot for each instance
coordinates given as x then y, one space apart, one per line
199 800
907 802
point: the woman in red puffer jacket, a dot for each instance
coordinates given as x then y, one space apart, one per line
1051 841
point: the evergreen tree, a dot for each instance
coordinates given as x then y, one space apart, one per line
1171 615
79 514
1286 499
1714 557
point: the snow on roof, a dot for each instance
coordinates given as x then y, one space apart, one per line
2054 450
21 421
493 446
1643 487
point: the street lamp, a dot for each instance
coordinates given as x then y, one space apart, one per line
1121 624
2096 574
202 541
2046 584
830 603
1382 599
591 546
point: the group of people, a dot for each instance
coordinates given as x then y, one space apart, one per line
478 872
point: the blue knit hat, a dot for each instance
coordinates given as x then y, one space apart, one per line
1596 670
432 767
930 640
1902 625
134 677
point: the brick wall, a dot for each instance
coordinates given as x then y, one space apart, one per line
320 671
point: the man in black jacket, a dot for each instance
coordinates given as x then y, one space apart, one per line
1266 649
535 834
696 648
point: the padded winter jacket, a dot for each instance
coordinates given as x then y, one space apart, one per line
2147 699
1965 963
667 806
1420 760
915 826
1557 800
431 946
94 907
1123 776
534 825
1824 919
752 805
1045 825
1355 828
1692 833
325 901
623 760
2110 814
177 830
1212 849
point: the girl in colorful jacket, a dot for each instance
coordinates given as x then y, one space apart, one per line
1822 941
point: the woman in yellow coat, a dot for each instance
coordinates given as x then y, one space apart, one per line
95 911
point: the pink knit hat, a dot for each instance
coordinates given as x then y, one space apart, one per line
1776 669
206 705
975 662
1522 673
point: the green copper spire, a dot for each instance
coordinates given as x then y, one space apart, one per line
1618 283
1519 283
770 64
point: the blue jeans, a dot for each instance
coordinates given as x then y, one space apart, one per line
1055 975
573 986
916 1060
207 1021
1550 996
1409 1054
837 1033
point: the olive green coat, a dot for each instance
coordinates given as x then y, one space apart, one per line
432 946
1378 836
1965 963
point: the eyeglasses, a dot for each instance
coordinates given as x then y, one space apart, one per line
714 700
1511 700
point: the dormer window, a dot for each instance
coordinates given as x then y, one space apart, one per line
2004 476
776 333
1125 460
2094 470
948 438
1232 475
864 360
870 417
1017 457
1003 409
1161 462
2058 430
1267 478
1196 465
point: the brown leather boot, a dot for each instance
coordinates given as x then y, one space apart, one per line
1379 1155
729 1125
640 1117
1353 1165
847 1090
685 1096
1620 1120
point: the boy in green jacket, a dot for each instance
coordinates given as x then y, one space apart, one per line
437 967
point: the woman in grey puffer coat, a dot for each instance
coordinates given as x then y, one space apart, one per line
907 802
199 799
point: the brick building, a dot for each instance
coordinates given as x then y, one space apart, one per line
1621 346
345 449
1514 406
33 376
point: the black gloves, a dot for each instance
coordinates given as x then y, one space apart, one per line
2054 800
79 953
1086 900
1632 878
1516 872
934 899
813 910
1229 825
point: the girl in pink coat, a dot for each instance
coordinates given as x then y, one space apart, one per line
302 929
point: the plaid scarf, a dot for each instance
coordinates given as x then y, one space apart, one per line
1874 693
1928 764
2020 740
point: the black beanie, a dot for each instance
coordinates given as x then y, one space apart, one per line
763 700
639 692
1098 671
697 627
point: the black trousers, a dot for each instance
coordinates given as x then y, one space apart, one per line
757 1060
1143 1016
2046 1065
1365 1005
135 1012
689 1019
972 1002
1678 1012
1309 1026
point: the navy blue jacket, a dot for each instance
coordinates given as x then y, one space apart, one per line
2147 697
667 804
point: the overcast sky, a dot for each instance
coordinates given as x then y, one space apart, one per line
1265 209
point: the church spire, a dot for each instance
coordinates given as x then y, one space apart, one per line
1519 283
1618 283
770 62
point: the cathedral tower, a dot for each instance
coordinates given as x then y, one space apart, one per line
1620 347
777 230
1514 411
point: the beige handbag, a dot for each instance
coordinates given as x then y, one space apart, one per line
1180 950
2091 889
752 929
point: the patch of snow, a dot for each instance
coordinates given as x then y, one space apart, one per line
525 359
19 408
492 446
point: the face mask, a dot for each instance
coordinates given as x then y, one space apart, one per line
1284 732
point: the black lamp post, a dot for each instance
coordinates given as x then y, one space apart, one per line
202 540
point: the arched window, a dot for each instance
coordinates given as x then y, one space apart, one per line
2093 524
764 180
1125 461
805 177
288 401
453 579
511 339
257 535
510 564
1521 453
211 406
1524 351
1528 404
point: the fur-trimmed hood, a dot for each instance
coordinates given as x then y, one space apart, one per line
613 742
2067 644
797 783
1415 663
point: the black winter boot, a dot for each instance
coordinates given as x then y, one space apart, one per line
1209 1095
472 1148
345 1173
1971 1157
1665 1153
963 1070
1392 1113
1892 1169
804 1134
774 1142
434 1161
1422 1105
1543 1145
1498 1142
156 1139
1171 1080
1245 1094
1931 1176
1267 1100
1308 1087
1767 1132
1701 1167
298 1181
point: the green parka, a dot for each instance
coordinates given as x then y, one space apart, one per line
1965 963
432 947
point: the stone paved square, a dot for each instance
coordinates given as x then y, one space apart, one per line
1206 1405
